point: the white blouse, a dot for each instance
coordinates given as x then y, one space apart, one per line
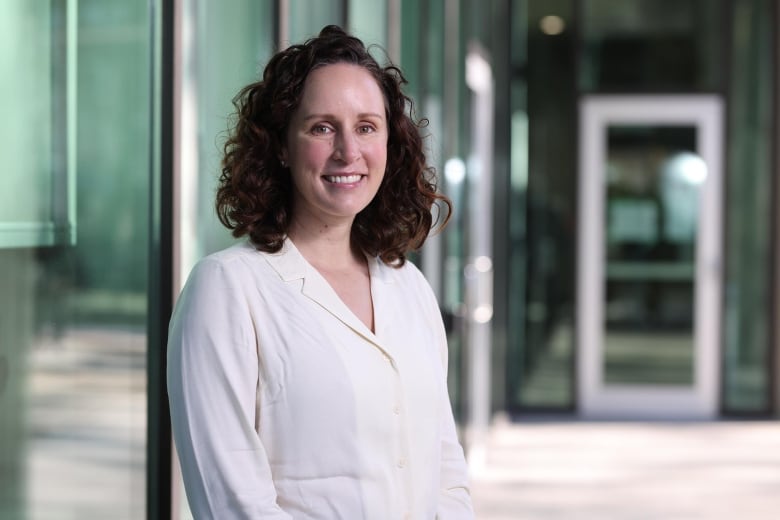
285 405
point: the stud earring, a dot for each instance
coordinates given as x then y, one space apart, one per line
283 162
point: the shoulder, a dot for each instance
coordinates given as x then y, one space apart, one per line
217 289
237 253
408 273
410 281
222 273
227 264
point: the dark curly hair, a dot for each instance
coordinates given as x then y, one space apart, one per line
255 190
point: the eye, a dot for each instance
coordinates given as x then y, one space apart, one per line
320 129
366 129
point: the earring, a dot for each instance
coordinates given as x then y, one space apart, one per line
283 162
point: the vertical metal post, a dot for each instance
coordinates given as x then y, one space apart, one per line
283 23
394 30
452 79
160 294
774 333
479 271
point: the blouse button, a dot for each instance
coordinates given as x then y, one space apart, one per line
397 410
401 462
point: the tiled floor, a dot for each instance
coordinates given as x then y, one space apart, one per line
597 470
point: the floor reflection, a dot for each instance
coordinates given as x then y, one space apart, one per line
87 425
618 471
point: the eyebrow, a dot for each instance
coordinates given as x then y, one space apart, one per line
364 115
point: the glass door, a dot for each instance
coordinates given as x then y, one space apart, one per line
649 256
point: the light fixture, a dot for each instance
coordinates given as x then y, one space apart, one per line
552 25
454 171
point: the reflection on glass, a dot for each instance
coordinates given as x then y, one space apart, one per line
234 40
541 213
73 314
641 45
747 376
368 21
653 184
307 17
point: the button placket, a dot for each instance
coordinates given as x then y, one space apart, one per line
401 447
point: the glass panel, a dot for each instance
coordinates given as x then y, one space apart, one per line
36 198
73 316
517 241
368 21
651 45
308 17
423 63
425 66
748 215
517 207
550 198
653 182
234 43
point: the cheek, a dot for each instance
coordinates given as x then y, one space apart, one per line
378 153
313 155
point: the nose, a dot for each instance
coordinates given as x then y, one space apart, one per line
347 148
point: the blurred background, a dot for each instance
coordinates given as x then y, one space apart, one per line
610 272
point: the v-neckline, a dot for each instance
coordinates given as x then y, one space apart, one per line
364 271
290 263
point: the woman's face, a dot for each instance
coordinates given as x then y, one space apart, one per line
336 145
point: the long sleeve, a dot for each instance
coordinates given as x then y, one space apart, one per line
213 385
454 497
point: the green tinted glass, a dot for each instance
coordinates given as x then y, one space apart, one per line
748 227
73 305
654 45
653 185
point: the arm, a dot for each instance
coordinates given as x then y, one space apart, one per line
454 496
212 386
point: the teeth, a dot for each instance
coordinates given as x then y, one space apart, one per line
342 179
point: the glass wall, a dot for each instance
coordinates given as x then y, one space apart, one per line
73 258
567 48
368 21
517 367
543 207
225 47
747 295
434 86
651 45
307 17
722 47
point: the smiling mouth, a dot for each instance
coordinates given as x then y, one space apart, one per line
343 179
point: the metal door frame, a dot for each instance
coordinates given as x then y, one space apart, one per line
595 398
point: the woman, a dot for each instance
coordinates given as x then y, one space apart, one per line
307 366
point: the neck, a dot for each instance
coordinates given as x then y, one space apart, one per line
326 246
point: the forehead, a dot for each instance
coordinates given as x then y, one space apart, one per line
341 85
